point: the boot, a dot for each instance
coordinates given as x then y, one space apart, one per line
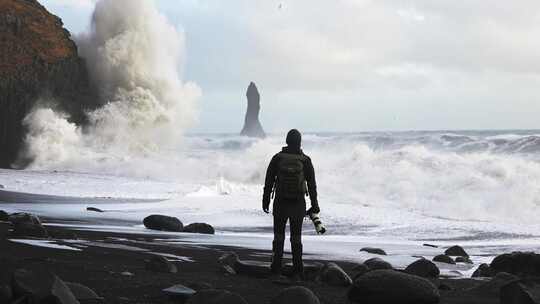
298 265
277 257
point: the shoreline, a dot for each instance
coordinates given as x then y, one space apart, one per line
112 264
104 256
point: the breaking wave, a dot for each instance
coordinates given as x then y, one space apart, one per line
134 56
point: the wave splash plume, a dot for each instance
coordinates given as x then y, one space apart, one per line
134 57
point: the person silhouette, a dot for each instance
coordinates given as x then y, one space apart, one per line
290 176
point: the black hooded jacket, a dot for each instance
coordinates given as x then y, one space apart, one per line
272 171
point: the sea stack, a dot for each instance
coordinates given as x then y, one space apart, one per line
38 60
252 125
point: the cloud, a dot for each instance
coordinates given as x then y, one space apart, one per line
378 55
346 41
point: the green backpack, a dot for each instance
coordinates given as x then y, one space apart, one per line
291 182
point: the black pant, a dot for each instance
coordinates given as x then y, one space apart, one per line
294 212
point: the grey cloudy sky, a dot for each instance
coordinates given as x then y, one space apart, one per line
355 65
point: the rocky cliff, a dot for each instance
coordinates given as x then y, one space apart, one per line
252 125
38 60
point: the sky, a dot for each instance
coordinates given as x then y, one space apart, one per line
356 65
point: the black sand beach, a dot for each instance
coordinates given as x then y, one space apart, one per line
113 265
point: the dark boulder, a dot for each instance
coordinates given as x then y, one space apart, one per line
231 263
377 264
41 286
390 287
252 125
312 270
517 292
199 228
372 250
4 216
94 209
483 271
456 251
253 268
215 296
29 230
443 258
423 268
334 275
493 286
296 295
84 294
465 260
360 269
160 264
518 263
163 222
24 218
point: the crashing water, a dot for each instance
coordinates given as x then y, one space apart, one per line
409 185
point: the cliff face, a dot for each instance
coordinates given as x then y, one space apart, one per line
38 59
252 125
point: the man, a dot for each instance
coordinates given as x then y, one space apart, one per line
288 174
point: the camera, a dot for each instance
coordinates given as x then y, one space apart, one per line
319 227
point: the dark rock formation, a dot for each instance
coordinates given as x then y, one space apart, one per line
84 294
518 263
423 268
199 228
465 260
456 251
215 296
296 295
163 222
372 250
160 264
333 275
94 209
390 286
27 225
443 258
483 271
4 216
29 230
376 264
231 263
38 59
41 286
252 125
493 286
361 269
520 293
24 218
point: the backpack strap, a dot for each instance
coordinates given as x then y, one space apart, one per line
300 157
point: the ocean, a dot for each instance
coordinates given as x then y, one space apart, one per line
477 188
